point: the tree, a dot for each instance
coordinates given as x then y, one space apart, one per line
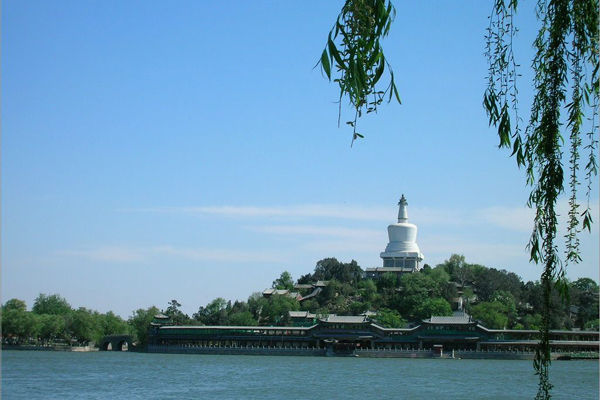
387 281
85 326
368 290
455 262
330 268
140 322
389 318
584 295
52 304
18 326
285 281
493 280
491 314
357 307
177 317
360 62
242 318
113 324
508 300
586 285
15 304
437 307
566 54
215 313
52 327
275 310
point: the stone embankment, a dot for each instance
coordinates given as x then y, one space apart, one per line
49 348
252 351
365 353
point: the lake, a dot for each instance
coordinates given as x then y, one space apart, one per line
31 375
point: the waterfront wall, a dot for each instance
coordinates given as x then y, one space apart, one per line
49 348
252 351
473 355
365 353
457 354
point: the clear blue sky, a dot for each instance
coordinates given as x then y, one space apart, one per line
188 150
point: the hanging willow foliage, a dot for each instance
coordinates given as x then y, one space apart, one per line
354 48
566 49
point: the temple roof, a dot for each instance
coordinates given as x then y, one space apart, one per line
339 319
461 319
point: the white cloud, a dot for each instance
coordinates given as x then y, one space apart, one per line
297 211
310 230
517 219
137 255
493 236
108 254
511 218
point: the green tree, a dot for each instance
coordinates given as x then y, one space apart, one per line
52 304
177 316
19 326
437 307
387 281
592 325
491 314
242 318
215 313
310 305
113 324
566 75
414 291
275 310
508 300
389 318
140 322
453 264
15 304
357 307
285 281
533 321
584 295
52 328
330 268
492 280
367 289
586 285
85 326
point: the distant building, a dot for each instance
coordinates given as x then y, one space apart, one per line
402 254
348 335
281 292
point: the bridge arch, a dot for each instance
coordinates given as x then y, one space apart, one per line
116 342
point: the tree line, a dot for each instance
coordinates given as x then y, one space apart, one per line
497 298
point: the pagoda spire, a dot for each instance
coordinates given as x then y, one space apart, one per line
403 211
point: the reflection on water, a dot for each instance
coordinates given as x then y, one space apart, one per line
113 375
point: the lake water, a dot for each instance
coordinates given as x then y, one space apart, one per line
31 375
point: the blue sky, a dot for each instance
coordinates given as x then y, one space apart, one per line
188 150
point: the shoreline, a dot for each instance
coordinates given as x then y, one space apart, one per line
323 352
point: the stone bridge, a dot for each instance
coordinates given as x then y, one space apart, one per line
116 342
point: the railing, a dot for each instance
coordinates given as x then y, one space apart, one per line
186 346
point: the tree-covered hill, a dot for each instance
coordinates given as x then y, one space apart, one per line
497 298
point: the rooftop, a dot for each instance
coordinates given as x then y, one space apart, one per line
389 269
340 319
302 314
462 319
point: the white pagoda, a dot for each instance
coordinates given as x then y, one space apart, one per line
402 251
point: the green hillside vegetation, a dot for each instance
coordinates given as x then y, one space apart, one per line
497 298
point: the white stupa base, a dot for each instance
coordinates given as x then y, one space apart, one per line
403 259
